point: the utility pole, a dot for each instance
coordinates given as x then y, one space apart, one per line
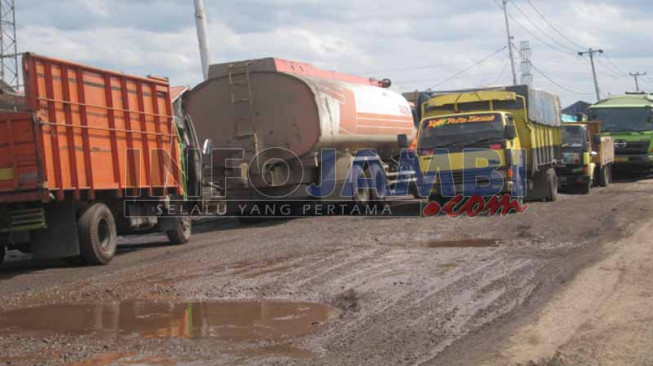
512 60
200 22
636 77
591 52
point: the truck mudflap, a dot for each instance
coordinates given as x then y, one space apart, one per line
60 238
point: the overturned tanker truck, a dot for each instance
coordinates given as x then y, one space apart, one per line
269 121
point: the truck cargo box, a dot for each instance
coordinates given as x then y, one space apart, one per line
87 130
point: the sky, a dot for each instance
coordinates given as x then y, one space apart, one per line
419 44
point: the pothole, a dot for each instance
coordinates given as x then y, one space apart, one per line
240 321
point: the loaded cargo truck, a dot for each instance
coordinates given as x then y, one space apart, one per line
628 119
587 157
280 115
511 131
79 156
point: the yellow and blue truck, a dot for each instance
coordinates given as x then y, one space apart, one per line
508 138
628 119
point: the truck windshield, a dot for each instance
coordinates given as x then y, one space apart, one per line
461 130
624 119
573 136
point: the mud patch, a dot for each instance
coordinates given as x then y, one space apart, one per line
237 321
468 243
347 300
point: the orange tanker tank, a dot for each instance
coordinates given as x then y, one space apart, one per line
296 106
269 103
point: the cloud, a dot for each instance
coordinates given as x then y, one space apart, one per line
379 38
96 7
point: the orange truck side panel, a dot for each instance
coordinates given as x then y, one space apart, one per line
90 130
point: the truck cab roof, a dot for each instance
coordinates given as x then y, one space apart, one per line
632 100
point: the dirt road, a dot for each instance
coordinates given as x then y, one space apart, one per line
604 316
351 292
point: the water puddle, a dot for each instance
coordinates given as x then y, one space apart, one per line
468 243
239 321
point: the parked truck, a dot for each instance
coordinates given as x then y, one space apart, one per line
628 119
280 115
84 158
587 157
515 130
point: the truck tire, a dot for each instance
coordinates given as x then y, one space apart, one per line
3 250
361 191
585 188
605 177
182 232
552 183
97 234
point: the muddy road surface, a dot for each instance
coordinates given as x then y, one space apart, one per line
325 291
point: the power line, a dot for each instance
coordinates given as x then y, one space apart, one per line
556 83
411 68
471 74
538 38
491 78
566 52
540 29
470 67
616 67
647 82
502 72
610 71
552 26
544 75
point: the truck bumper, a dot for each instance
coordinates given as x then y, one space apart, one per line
571 180
633 162
507 187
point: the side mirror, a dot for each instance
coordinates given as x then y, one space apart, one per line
207 147
597 139
510 132
403 141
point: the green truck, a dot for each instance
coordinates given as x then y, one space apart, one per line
628 119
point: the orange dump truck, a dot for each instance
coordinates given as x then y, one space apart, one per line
85 157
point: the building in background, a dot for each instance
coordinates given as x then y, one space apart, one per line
577 108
